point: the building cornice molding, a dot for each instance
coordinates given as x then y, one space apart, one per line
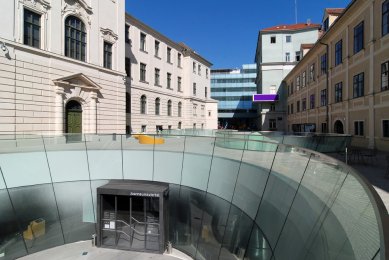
40 5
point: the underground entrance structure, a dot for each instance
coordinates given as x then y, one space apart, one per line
224 199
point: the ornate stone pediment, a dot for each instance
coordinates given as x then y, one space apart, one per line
77 7
40 5
108 35
78 80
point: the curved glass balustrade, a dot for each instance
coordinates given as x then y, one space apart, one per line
259 200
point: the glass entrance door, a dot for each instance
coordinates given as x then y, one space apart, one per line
131 222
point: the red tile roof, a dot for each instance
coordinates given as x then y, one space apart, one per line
291 27
334 11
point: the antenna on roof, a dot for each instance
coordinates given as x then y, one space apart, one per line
295 10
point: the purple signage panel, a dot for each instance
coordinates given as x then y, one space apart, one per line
265 97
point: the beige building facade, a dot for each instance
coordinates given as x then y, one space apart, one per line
168 84
341 84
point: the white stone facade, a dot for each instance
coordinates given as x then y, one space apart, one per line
197 109
37 82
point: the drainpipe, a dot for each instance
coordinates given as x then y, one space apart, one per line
327 82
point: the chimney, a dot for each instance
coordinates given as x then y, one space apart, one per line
308 21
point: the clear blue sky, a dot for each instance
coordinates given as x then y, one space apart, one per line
224 31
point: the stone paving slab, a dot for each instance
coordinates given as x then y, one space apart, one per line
84 251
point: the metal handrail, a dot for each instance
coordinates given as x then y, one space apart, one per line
128 225
144 223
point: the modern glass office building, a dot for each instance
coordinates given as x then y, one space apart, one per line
215 197
234 88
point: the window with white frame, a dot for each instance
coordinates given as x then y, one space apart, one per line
142 42
385 128
156 48
384 75
32 29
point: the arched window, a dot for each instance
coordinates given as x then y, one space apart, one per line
157 105
128 103
143 103
179 109
179 125
169 108
75 38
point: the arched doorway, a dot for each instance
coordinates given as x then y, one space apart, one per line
338 127
73 117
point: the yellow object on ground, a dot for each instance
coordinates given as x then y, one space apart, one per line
35 229
146 139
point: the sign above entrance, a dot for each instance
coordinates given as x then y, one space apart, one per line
265 97
142 194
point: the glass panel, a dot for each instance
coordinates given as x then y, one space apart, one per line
24 162
60 153
197 161
100 147
319 188
76 210
188 220
11 241
288 168
39 217
258 248
252 178
213 226
168 159
138 160
224 171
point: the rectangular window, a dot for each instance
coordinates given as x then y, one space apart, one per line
323 97
179 84
291 108
298 106
384 75
107 55
169 80
291 88
128 67
385 128
312 73
142 42
206 92
143 128
338 92
304 104
272 107
273 39
287 56
127 33
312 101
358 85
179 59
304 79
385 18
206 73
156 77
298 83
326 24
169 55
194 67
358 37
358 128
143 72
194 89
338 53
199 69
298 55
323 64
324 127
156 48
272 124
288 38
32 28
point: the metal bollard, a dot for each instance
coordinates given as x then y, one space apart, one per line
94 240
169 247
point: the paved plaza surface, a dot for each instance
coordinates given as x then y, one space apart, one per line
374 169
83 250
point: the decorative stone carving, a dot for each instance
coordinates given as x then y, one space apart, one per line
109 35
79 8
40 5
